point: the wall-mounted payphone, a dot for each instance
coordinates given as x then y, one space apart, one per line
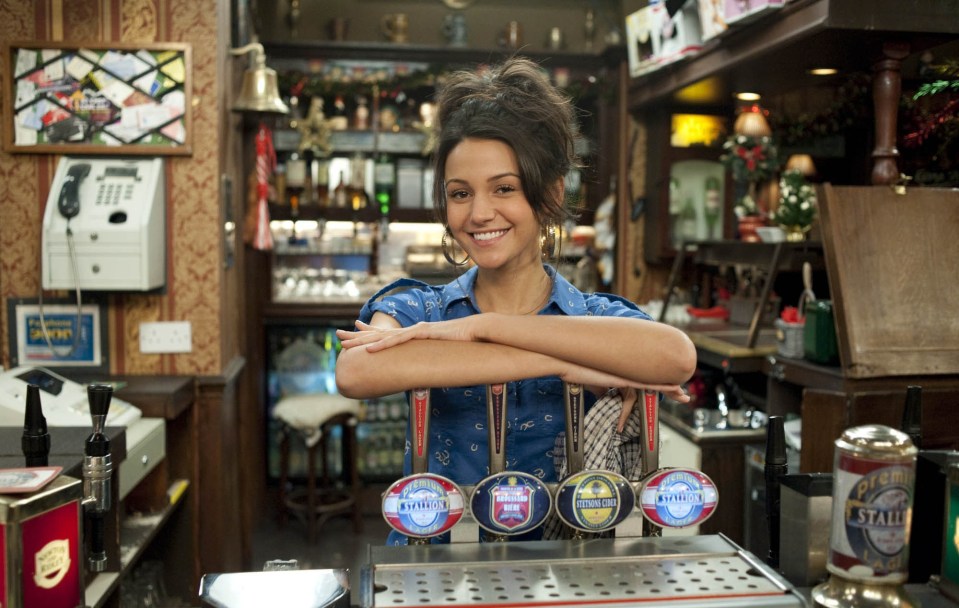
104 225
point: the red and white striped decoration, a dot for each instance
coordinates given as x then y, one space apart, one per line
265 164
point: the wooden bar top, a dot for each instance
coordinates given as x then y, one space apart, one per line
156 396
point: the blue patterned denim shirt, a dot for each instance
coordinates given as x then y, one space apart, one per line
458 442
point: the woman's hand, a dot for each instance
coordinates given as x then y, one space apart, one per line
375 338
592 377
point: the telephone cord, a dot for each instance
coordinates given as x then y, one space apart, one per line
76 283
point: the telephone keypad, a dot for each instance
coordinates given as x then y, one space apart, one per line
109 194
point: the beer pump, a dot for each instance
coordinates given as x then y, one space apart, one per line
97 474
35 441
41 530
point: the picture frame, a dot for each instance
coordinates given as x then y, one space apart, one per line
88 98
28 346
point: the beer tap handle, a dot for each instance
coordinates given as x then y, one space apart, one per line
35 441
776 466
97 474
99 397
420 416
496 419
650 447
912 415
573 398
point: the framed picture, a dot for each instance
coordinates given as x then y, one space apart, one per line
58 335
75 98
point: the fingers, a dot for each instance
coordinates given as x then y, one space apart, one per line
624 414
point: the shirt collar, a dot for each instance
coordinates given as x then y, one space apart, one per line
564 296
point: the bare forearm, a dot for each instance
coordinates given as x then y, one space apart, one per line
436 363
643 351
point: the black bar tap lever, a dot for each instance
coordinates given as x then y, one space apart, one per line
774 470
35 441
97 474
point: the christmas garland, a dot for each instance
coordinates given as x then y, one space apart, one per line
851 106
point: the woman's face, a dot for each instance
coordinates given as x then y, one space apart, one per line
486 208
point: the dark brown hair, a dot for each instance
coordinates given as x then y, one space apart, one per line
515 103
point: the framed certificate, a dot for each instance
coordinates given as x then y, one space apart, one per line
57 334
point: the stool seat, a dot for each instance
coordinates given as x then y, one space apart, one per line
308 412
311 416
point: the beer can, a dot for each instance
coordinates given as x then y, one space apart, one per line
874 481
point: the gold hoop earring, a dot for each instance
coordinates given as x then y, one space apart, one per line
549 240
447 250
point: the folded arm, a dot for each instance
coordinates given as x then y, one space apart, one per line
383 358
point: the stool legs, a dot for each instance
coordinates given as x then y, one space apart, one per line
284 471
349 460
311 495
320 502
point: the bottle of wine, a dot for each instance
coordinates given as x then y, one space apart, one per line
340 194
323 183
712 206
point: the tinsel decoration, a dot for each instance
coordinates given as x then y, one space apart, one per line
262 238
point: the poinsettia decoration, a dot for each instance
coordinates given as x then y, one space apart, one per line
750 158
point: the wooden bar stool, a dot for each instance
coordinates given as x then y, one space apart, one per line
312 417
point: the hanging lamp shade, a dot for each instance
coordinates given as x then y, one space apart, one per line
259 92
752 122
802 163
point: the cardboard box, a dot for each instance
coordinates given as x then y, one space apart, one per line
745 11
654 39
639 40
712 18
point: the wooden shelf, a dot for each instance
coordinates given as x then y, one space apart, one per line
136 534
291 313
740 342
774 53
386 51
715 253
368 214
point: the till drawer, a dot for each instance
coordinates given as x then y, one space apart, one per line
146 448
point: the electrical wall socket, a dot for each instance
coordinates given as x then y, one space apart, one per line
166 337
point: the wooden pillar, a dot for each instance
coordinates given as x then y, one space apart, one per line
886 88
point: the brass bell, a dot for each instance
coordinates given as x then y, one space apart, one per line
259 92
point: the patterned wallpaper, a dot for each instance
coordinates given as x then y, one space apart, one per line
194 289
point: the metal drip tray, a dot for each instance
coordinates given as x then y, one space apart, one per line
679 572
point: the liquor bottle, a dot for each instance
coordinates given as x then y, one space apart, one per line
359 199
712 205
323 183
687 221
295 181
361 115
339 120
384 182
340 194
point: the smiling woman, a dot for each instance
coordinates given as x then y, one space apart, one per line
505 141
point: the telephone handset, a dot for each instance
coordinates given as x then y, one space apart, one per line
69 201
